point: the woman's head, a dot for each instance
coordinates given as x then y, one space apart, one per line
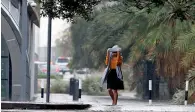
114 54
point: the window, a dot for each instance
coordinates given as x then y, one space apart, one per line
4 72
64 60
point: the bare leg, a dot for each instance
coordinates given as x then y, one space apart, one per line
115 97
111 95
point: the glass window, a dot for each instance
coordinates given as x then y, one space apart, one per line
4 78
63 60
4 68
4 89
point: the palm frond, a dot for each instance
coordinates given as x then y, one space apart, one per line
186 41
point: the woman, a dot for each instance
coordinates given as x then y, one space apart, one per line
114 82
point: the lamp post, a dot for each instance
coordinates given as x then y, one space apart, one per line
48 58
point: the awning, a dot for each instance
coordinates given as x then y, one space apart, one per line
33 14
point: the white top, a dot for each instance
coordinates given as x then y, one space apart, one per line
114 48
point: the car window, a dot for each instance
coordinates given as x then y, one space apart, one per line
62 60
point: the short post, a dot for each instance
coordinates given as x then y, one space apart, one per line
150 92
42 88
76 90
186 93
71 86
80 88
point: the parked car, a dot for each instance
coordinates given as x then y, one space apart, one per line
53 69
62 61
63 68
40 63
83 71
62 64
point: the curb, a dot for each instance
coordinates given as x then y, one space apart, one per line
38 106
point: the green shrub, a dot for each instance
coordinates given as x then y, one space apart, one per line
178 97
126 79
52 76
59 86
91 86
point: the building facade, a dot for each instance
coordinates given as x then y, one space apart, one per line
19 20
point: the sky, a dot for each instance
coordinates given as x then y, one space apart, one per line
58 25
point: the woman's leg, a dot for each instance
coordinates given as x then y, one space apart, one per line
111 95
115 97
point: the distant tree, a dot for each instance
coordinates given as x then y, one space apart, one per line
64 44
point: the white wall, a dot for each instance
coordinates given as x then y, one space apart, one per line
37 38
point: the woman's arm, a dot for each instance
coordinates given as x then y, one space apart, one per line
107 56
120 59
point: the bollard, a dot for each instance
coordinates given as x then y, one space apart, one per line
150 72
80 88
150 92
186 93
71 86
76 90
42 88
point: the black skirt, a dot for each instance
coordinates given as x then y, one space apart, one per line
113 82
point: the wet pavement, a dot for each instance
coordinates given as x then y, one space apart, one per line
126 103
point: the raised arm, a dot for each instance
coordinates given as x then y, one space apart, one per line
107 56
120 59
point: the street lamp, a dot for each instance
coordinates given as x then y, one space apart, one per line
48 57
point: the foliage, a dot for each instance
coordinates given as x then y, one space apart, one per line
91 39
129 81
161 31
59 86
78 34
191 78
178 9
178 97
52 76
67 9
91 86
64 44
185 43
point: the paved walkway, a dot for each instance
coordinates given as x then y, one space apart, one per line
125 103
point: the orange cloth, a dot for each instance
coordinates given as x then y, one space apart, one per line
114 60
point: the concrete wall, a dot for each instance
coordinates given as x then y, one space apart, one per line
19 38
15 53
32 59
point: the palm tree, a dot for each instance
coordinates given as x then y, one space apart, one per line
163 35
185 44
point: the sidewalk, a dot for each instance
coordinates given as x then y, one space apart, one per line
63 98
125 103
66 98
102 104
